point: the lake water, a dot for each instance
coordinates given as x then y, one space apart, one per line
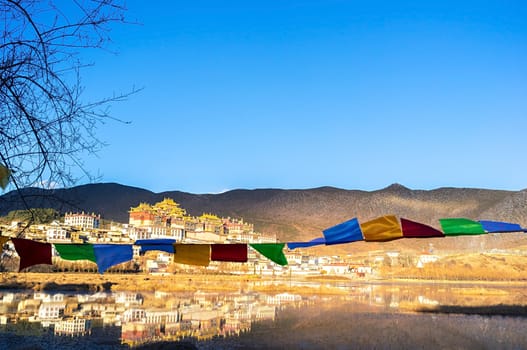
354 316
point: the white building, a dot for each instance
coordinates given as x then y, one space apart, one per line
153 232
137 233
82 220
57 234
426 259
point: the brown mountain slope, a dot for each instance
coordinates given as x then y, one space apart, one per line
296 215
512 208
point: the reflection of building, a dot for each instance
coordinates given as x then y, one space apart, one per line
150 316
133 333
52 306
234 325
128 298
142 317
73 326
140 325
265 312
204 324
335 268
283 298
28 307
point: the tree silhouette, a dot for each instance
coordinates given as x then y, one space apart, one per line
45 126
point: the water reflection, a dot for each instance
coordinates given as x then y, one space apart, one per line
205 319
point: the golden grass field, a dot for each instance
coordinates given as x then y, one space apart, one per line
94 282
466 267
507 270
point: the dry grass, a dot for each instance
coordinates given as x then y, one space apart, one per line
456 268
130 282
149 283
463 267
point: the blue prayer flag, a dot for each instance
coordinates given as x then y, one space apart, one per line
108 255
498 226
162 244
311 243
348 231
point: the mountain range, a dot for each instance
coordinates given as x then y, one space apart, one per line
299 215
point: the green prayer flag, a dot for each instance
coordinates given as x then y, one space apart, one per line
76 251
461 226
4 176
272 251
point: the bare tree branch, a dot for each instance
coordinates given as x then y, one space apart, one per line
45 125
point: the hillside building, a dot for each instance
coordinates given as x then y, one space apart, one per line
153 232
142 215
82 220
167 219
235 227
165 213
55 233
164 219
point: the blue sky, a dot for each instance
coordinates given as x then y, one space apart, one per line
302 94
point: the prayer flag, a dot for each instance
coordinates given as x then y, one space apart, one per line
272 251
108 255
461 226
311 243
228 252
192 254
412 229
384 228
497 226
345 232
31 252
162 244
76 251
3 240
4 176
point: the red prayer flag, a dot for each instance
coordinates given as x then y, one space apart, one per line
31 252
412 229
229 252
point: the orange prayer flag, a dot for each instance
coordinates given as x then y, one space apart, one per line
3 240
192 254
384 228
5 173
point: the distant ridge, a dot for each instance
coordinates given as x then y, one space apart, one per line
290 214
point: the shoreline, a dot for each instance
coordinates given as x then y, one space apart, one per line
93 282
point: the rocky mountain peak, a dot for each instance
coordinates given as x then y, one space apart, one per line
397 188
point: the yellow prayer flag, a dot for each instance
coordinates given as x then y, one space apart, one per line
192 254
3 240
4 176
384 228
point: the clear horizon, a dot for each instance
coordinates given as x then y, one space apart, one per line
278 188
306 94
